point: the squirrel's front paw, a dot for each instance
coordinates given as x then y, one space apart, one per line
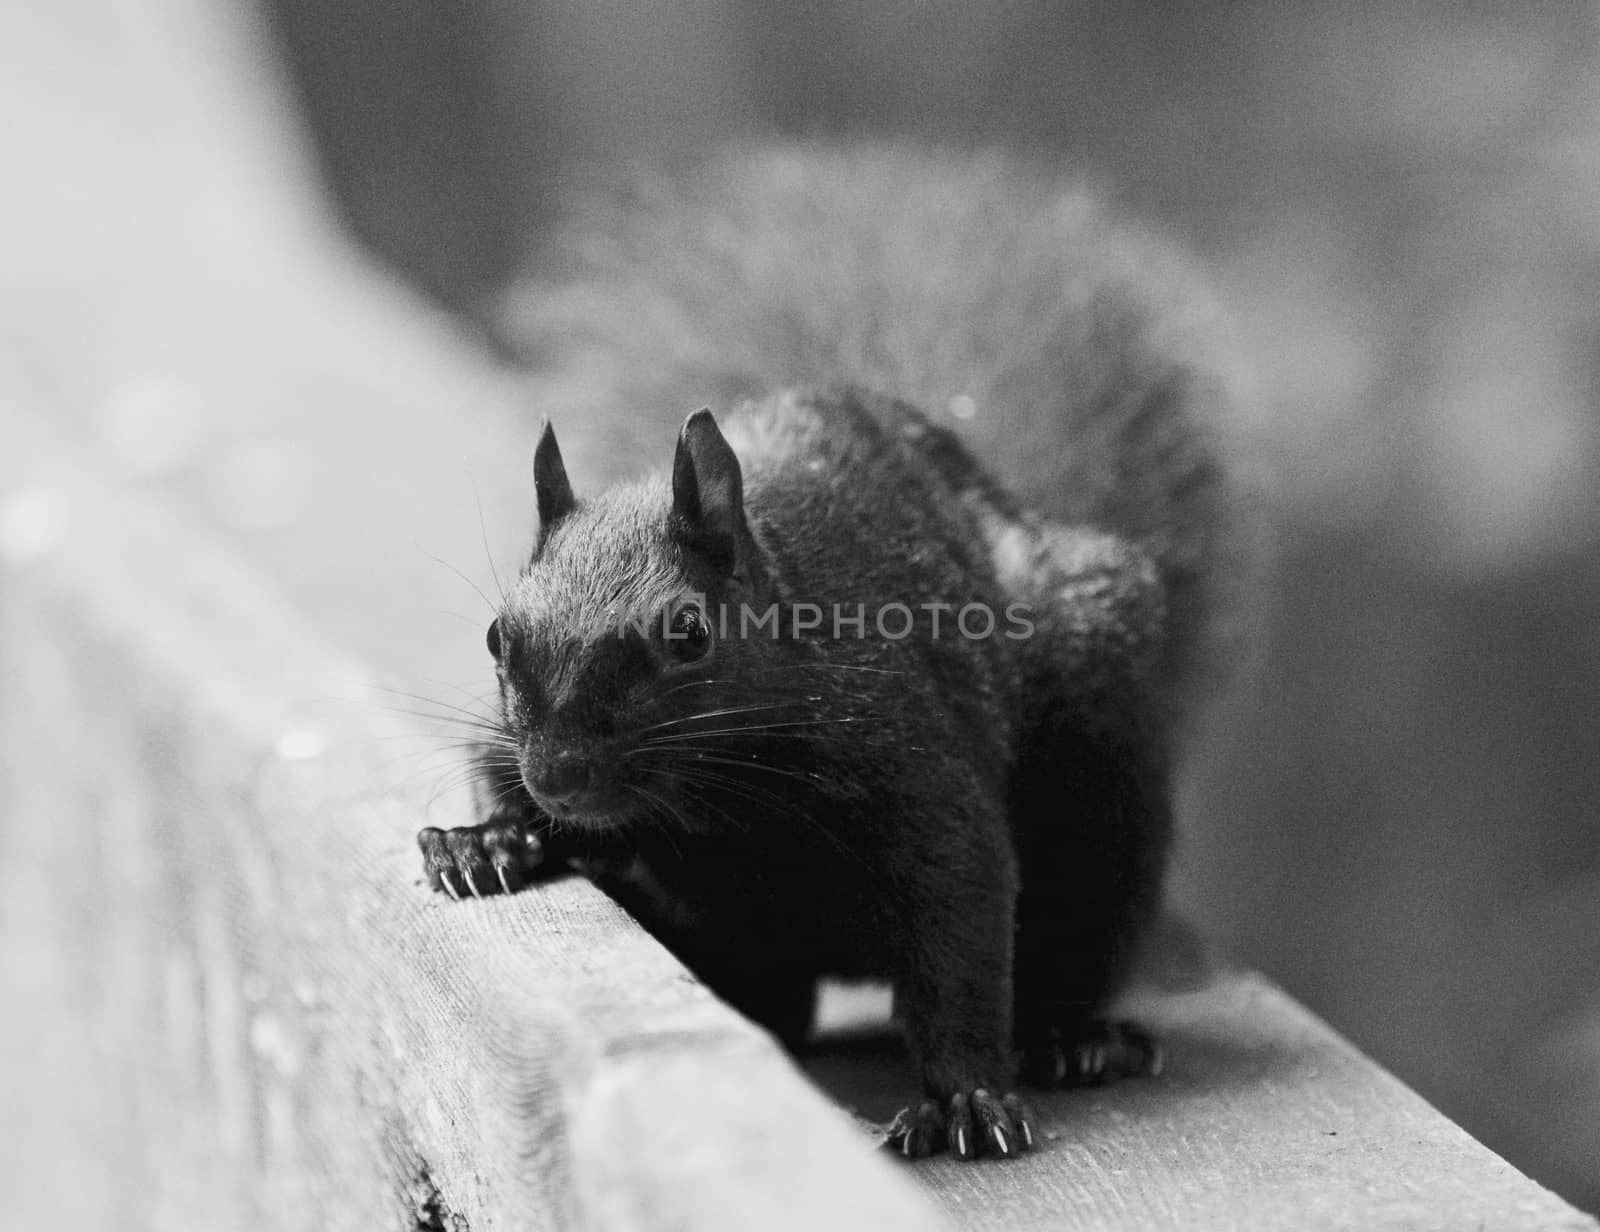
968 1123
498 855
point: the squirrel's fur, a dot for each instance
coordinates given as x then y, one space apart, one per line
1101 384
982 820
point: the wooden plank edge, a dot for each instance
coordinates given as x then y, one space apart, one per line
535 1061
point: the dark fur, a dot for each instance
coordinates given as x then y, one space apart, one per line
983 822
1100 377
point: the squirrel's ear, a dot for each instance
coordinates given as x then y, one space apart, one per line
708 490
551 490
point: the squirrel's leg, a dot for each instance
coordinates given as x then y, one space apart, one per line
953 992
1090 805
1093 826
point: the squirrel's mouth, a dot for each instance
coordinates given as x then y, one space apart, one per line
578 787
591 809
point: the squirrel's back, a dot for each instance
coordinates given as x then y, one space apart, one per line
1074 355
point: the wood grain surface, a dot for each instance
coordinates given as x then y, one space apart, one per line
1262 1117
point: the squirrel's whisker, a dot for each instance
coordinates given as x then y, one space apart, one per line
685 720
434 701
488 556
439 560
752 729
688 684
717 781
654 802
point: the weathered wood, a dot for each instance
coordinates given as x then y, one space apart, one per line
244 1008
1263 1117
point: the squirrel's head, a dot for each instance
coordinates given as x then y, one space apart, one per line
613 651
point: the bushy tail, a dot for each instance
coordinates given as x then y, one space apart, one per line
1076 356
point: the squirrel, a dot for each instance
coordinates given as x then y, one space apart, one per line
827 699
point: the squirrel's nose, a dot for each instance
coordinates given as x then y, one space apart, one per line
562 778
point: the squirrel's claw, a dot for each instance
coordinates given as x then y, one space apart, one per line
918 1132
959 1131
1091 1054
1020 1117
969 1124
466 855
1005 1125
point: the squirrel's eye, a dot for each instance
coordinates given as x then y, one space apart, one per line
494 639
688 635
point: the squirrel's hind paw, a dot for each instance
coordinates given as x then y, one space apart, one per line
493 858
1094 1053
969 1124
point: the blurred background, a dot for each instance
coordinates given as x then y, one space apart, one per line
1400 205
